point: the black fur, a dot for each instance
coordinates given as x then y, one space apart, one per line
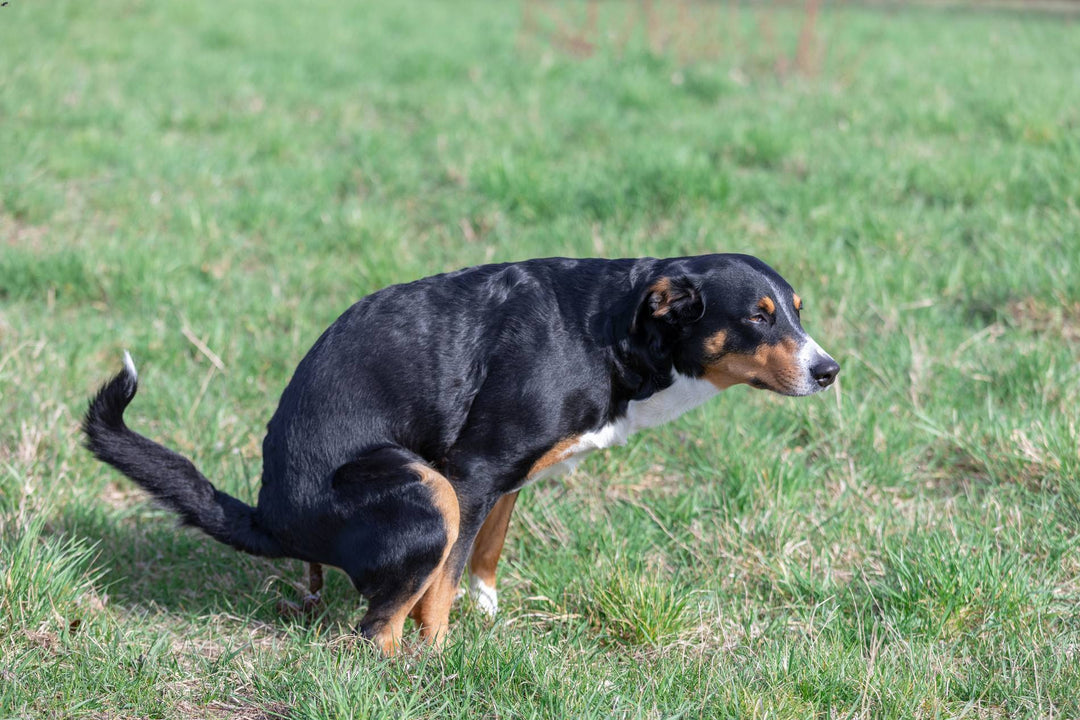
169 477
475 373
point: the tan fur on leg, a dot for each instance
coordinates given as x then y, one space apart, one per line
486 551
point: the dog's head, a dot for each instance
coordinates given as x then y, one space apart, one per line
732 319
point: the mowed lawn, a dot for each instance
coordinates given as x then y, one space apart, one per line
231 176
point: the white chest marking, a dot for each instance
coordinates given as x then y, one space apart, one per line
685 394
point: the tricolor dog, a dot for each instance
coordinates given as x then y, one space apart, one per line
399 446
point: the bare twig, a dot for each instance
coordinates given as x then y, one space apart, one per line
200 345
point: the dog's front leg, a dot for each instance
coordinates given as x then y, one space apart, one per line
485 554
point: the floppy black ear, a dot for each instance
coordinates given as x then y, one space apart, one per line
674 301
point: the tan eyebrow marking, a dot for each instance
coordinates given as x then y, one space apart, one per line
767 305
798 302
714 345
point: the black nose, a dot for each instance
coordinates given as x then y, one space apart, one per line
824 371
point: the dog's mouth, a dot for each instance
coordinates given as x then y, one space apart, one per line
783 386
785 389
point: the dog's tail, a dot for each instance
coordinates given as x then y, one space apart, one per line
168 476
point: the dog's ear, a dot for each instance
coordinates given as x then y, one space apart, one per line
670 301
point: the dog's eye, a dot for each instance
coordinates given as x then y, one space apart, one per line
758 319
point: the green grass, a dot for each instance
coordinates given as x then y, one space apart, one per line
902 546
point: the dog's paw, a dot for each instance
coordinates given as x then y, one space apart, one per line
311 603
485 596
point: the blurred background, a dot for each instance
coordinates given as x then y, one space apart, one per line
209 185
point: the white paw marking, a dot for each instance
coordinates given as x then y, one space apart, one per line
485 596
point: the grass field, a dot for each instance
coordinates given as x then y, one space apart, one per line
904 546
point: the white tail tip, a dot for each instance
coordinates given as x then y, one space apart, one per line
129 365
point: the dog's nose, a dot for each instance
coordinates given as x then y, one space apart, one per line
824 371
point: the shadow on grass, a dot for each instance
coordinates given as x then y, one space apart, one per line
147 561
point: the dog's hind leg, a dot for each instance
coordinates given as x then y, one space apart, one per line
313 599
309 604
432 611
402 522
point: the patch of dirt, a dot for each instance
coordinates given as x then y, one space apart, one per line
43 639
631 488
1059 320
17 233
234 711
120 497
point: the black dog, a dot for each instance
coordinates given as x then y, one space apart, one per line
399 445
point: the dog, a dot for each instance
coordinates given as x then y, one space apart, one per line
399 446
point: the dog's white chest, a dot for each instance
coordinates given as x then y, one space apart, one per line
684 394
